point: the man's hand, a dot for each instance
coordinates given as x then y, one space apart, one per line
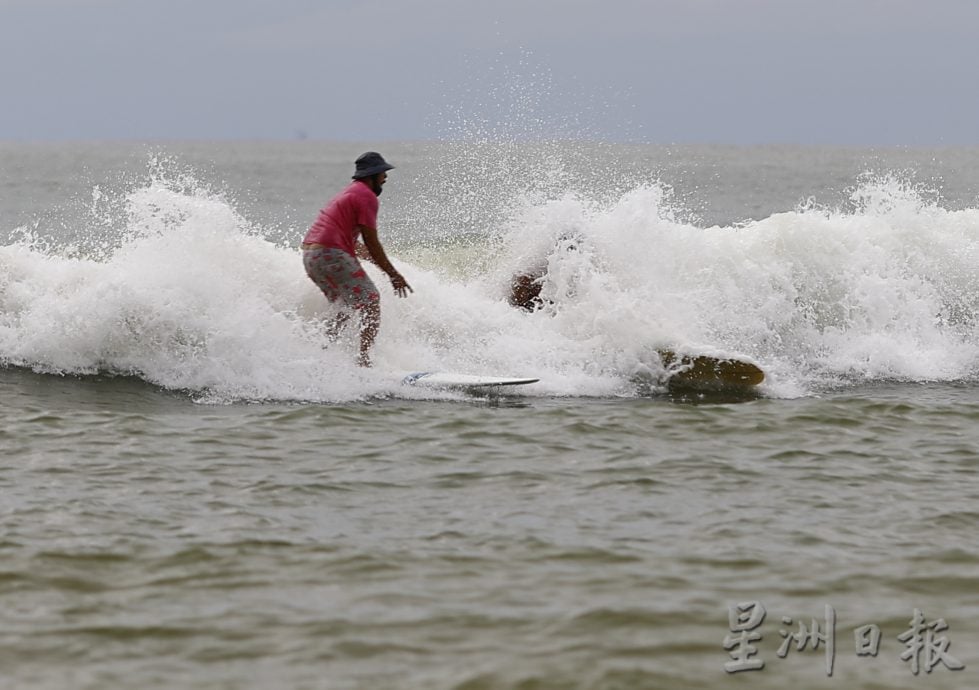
400 285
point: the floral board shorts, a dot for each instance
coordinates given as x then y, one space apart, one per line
340 276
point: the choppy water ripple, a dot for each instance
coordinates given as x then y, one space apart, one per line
585 544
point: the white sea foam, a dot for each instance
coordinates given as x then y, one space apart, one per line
192 297
888 290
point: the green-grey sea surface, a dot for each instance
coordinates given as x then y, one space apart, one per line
152 542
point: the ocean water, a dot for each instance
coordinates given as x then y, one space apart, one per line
199 491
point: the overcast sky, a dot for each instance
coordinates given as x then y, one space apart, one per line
865 72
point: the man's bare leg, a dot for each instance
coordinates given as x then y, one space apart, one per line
370 321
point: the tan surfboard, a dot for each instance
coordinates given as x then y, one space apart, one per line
709 372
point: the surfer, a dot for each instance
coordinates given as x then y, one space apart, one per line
332 247
526 285
683 371
525 290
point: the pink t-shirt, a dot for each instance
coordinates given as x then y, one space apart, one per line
336 225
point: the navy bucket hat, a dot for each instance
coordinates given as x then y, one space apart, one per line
371 163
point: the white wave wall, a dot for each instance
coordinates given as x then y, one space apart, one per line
192 297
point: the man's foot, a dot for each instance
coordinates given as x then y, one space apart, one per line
335 328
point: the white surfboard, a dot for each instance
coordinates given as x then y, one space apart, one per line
444 379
